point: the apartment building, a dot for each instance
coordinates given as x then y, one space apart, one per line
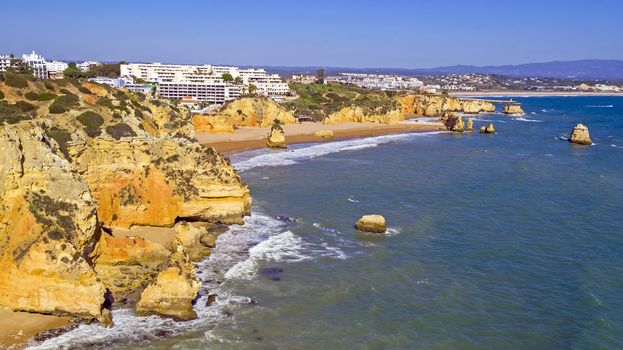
38 65
56 66
205 80
86 65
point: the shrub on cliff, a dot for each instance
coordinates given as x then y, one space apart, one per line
10 113
120 130
84 90
64 103
31 95
16 80
25 106
61 137
46 96
91 120
1 95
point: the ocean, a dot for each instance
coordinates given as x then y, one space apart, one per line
504 241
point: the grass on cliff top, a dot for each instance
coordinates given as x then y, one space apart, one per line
320 100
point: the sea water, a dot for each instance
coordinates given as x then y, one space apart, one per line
505 241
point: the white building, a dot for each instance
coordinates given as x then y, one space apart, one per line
205 78
38 65
86 65
5 62
377 81
56 66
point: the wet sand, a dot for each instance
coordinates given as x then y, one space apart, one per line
17 327
248 138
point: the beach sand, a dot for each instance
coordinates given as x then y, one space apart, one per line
17 327
247 138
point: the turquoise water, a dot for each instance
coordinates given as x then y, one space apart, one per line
505 241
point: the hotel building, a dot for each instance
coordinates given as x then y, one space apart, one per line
205 82
38 65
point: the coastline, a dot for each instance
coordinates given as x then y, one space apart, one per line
532 93
248 138
16 327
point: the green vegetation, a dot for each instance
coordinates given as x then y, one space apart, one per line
11 113
25 106
44 96
111 70
17 80
320 100
92 122
64 103
120 130
228 78
84 90
1 95
62 137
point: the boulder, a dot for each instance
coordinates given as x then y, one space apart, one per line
470 125
514 109
372 223
198 239
325 134
173 291
276 138
580 135
454 122
489 129
47 224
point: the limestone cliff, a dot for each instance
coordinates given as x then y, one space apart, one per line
246 111
514 109
454 122
437 105
154 182
358 115
47 224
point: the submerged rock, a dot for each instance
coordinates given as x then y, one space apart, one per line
580 135
372 223
173 291
513 109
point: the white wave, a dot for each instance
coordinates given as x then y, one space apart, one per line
291 157
358 147
352 200
393 231
527 120
615 146
599 106
533 113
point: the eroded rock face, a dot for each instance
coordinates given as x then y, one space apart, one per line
276 138
47 224
173 291
198 239
357 115
154 182
454 122
372 223
514 109
126 265
247 111
438 105
580 135
476 106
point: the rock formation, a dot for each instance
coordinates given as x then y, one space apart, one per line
372 223
173 291
197 238
437 105
325 134
487 129
513 108
247 111
580 135
47 223
356 114
276 138
454 122
477 106
470 125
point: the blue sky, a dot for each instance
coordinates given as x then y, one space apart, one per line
409 34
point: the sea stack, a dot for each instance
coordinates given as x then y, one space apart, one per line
513 108
580 135
470 125
489 129
372 223
454 122
276 138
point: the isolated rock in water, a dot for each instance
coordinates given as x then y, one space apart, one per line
454 122
580 135
513 109
173 291
470 125
126 265
325 134
372 223
489 129
47 222
276 138
156 181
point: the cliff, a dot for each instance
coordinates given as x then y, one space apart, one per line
81 158
514 109
358 115
246 111
437 105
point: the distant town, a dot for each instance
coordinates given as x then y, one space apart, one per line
199 86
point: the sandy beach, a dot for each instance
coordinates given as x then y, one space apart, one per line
17 327
247 138
532 93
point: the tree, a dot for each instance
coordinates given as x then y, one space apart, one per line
238 80
252 88
73 72
71 64
228 78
